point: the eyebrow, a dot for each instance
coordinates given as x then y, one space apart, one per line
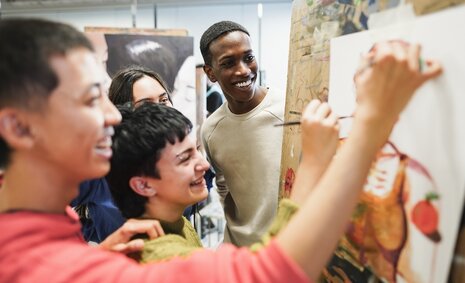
92 85
150 98
225 58
248 51
141 101
189 150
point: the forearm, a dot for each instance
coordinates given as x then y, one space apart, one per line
305 183
323 217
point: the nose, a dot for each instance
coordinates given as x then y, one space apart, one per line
203 164
111 114
242 69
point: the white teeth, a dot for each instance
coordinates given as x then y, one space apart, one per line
244 84
106 152
105 143
197 182
109 131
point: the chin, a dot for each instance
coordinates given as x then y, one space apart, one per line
99 172
205 195
200 195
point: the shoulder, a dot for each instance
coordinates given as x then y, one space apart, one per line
210 124
166 247
276 96
275 103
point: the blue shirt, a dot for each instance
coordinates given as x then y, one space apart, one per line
99 215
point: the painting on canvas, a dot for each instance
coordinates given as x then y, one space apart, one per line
405 225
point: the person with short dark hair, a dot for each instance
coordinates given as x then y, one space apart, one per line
156 173
247 167
214 32
55 132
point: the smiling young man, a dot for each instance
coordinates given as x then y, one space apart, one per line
239 138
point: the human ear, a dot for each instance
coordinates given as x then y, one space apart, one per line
209 71
141 187
14 129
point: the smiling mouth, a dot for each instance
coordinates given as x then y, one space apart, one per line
244 84
197 182
104 147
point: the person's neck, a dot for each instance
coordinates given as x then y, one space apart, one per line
159 210
35 188
245 107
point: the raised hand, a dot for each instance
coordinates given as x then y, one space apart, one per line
388 77
120 240
320 129
319 134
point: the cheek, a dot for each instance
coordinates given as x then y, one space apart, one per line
173 178
254 66
88 128
221 75
224 82
183 176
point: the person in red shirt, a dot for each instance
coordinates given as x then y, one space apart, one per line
1 178
55 131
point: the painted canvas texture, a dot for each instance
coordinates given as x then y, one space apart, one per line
405 225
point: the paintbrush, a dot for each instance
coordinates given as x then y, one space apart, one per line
297 122
288 123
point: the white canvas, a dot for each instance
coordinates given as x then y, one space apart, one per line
429 132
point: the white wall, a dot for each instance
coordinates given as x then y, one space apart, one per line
95 16
275 31
196 19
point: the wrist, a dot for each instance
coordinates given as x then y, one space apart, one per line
373 125
376 115
309 162
308 174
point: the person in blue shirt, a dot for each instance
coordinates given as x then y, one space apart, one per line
98 214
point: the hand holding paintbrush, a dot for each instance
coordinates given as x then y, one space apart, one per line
297 122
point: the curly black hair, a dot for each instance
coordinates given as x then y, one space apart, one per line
137 145
214 32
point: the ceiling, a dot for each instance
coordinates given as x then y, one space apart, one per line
7 5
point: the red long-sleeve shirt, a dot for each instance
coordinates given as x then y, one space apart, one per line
40 247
